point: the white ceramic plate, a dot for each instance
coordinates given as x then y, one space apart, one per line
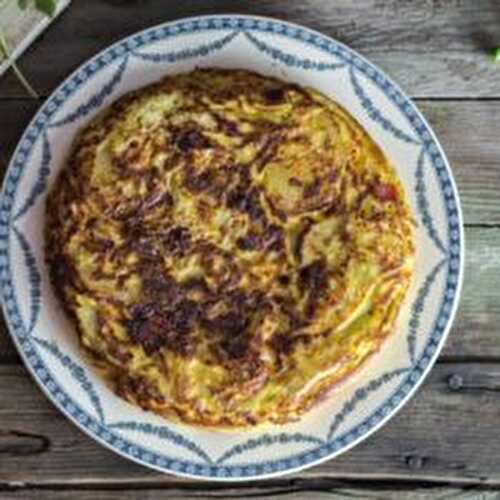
45 338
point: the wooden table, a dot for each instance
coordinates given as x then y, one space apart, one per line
446 441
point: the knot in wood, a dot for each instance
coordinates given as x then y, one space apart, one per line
455 382
414 462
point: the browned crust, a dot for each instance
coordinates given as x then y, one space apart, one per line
177 317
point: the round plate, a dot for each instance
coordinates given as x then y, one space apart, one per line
365 401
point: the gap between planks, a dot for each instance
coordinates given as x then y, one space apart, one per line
293 489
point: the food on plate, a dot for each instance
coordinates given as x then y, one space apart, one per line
229 246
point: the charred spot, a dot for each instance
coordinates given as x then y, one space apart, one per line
284 280
312 189
228 127
145 247
293 181
98 245
242 302
157 282
332 175
276 211
236 347
196 284
184 316
313 277
229 324
275 95
250 419
144 310
243 172
181 345
274 238
148 332
295 320
154 328
190 140
200 182
248 242
61 271
282 343
230 330
133 227
178 239
299 242
121 279
268 149
333 208
247 202
140 388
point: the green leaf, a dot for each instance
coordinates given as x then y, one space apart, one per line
5 51
496 54
46 6
22 4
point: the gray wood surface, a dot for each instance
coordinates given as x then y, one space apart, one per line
330 492
433 48
445 443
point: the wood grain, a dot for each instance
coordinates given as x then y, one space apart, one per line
433 48
303 492
434 438
475 330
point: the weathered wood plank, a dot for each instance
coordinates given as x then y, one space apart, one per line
435 437
290 493
475 331
469 133
432 48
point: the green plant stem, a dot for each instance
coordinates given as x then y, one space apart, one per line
4 49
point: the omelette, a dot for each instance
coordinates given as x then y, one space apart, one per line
229 247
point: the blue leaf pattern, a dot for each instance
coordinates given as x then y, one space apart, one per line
97 99
77 372
374 113
41 181
175 56
418 307
268 440
163 432
33 277
290 59
423 205
359 395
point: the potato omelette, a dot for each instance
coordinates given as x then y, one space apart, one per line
229 246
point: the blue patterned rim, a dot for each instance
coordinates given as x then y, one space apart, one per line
411 376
